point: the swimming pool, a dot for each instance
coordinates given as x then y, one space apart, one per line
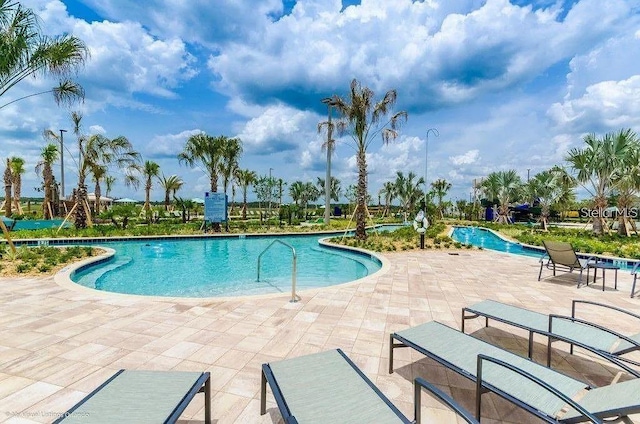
222 266
481 237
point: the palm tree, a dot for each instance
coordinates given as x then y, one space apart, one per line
231 151
365 119
408 190
626 182
170 186
49 155
17 169
96 151
8 185
596 165
503 187
109 182
150 170
329 146
98 172
334 188
245 178
205 150
26 52
389 191
546 188
440 188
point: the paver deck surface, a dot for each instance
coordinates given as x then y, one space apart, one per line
57 344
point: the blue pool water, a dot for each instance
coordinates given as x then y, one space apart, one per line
481 237
222 266
35 224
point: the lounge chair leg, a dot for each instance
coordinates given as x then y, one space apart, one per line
633 287
391 354
417 402
549 352
207 401
530 344
263 394
479 388
540 273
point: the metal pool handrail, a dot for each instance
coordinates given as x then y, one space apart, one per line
294 297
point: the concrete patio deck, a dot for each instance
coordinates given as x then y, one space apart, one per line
57 344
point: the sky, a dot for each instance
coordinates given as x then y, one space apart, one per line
504 84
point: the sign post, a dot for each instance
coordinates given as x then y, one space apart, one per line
215 208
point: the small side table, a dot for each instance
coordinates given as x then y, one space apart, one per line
603 266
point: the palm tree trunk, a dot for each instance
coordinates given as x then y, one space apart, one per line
48 197
214 189
600 203
166 200
81 199
98 192
361 233
17 191
8 185
244 202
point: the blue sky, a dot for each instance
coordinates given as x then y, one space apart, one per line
507 84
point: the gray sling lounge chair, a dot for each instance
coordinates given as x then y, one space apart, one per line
139 397
587 335
328 387
550 395
560 254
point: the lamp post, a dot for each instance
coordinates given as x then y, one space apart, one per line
327 181
270 191
62 162
426 164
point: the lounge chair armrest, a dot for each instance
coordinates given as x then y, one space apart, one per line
605 355
420 383
544 255
543 384
634 270
589 302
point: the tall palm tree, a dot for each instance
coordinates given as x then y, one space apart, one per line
98 173
49 155
364 119
408 190
95 151
389 191
503 187
17 169
595 167
231 151
205 151
545 187
8 185
150 170
26 51
245 178
329 146
567 185
440 188
626 182
170 185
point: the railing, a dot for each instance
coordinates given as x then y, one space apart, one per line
294 297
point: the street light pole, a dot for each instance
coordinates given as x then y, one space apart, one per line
270 191
327 180
62 162
426 165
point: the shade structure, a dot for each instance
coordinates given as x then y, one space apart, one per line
198 200
92 198
125 200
